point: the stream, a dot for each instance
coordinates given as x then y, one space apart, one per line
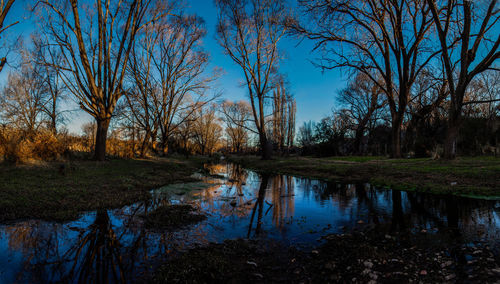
113 245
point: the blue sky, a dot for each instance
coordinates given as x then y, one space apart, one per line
314 90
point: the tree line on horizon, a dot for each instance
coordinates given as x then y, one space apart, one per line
423 74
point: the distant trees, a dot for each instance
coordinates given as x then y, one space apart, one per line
23 100
283 118
362 99
249 32
48 58
207 131
237 117
95 42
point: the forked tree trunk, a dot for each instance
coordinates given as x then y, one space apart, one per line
100 139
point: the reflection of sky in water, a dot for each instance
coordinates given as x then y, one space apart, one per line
109 245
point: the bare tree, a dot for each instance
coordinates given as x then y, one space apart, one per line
207 131
95 41
22 99
48 57
5 7
237 116
283 118
306 134
470 45
168 70
362 99
381 39
249 32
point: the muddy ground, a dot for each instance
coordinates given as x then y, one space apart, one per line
361 257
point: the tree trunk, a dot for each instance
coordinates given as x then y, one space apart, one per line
450 144
100 139
357 140
266 148
164 144
396 139
144 144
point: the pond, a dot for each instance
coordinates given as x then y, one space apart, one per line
114 246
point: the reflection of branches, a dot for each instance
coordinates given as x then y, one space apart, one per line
258 206
282 199
97 254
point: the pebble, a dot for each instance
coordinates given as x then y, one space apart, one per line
368 264
423 272
330 265
449 277
252 263
446 264
259 275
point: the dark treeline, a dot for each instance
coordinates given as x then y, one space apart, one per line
362 125
424 79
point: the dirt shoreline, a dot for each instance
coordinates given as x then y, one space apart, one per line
359 257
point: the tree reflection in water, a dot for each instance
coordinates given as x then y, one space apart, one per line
96 256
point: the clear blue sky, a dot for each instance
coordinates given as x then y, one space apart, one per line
314 90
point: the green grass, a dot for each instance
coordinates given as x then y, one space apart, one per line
469 176
50 192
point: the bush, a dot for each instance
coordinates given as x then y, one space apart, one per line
17 147
46 146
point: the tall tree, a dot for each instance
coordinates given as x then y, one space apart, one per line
469 39
169 74
381 39
48 58
95 42
362 99
283 118
249 32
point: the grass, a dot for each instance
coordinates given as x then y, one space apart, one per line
56 191
468 176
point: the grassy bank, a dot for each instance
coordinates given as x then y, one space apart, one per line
476 177
60 191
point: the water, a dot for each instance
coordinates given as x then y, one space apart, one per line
113 246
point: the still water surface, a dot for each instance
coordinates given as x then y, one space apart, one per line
113 246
